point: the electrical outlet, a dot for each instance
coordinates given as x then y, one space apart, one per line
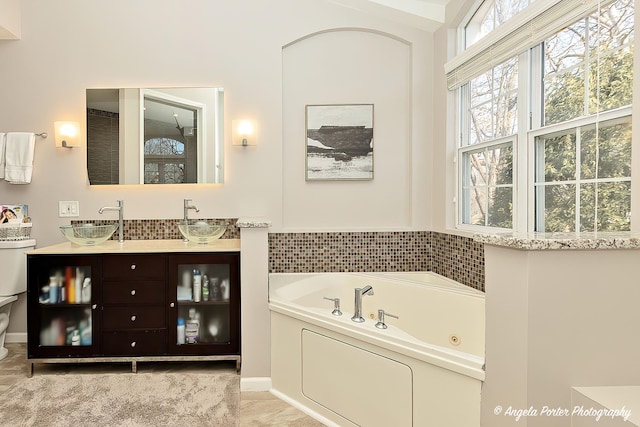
68 208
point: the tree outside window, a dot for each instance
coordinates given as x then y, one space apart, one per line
581 134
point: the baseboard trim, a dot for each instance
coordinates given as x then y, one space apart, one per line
255 384
313 414
12 337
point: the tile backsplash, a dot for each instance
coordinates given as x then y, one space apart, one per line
456 257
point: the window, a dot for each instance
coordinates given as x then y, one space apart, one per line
173 139
489 133
569 106
164 161
488 185
582 179
490 16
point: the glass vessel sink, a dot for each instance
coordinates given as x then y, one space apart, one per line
88 234
201 231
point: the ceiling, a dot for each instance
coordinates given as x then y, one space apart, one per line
427 15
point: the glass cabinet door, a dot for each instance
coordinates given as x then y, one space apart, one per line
204 308
61 294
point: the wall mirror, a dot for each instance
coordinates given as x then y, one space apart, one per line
155 135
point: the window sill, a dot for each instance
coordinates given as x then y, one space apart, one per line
561 241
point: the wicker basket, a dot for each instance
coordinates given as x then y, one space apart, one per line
20 231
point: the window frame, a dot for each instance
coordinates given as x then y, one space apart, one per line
618 114
530 113
462 171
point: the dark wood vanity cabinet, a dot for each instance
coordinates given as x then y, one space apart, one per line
134 294
133 309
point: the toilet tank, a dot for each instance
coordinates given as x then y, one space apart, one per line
13 265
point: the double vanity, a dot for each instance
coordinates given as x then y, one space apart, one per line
132 301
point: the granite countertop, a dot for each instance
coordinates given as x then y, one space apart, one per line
554 241
138 246
249 222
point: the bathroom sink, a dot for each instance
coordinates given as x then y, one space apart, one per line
201 231
88 234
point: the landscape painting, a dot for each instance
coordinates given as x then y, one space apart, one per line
339 142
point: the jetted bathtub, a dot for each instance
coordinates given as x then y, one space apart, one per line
426 368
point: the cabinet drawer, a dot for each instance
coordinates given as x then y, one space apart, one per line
134 292
126 318
134 266
144 343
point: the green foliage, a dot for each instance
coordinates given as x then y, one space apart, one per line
605 151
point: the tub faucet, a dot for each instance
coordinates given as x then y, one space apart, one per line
120 209
357 311
381 315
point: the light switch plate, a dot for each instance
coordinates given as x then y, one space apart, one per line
68 208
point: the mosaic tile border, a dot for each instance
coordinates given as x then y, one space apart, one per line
456 257
160 229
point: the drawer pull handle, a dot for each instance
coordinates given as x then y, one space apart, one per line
94 306
133 292
133 318
133 344
133 266
172 305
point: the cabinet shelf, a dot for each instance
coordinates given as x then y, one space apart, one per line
65 305
202 303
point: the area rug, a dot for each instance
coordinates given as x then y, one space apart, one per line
123 399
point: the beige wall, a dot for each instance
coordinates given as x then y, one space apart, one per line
556 320
70 45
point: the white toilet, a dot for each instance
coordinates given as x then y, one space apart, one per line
13 280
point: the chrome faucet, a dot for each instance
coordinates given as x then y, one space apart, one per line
357 310
120 209
188 205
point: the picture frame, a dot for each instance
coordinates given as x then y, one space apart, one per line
339 142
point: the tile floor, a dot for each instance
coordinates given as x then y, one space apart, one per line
259 409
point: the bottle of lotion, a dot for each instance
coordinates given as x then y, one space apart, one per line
197 285
181 331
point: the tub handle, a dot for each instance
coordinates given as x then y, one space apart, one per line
381 315
336 306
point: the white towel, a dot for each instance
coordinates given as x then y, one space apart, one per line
19 147
1 155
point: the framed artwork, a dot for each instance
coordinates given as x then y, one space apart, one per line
339 142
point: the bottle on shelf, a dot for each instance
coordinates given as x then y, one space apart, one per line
181 331
214 284
192 328
85 331
70 284
75 337
205 287
224 289
62 291
79 280
54 290
197 285
86 290
44 294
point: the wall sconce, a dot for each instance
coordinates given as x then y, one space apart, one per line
67 134
244 132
